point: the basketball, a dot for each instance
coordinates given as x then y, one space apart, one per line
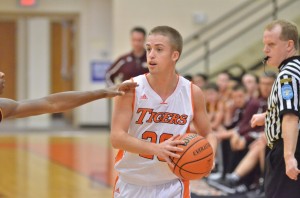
196 159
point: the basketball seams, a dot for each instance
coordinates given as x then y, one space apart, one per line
175 165
192 150
182 169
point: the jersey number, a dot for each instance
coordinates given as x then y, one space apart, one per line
152 136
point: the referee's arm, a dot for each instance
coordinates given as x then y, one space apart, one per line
288 95
290 137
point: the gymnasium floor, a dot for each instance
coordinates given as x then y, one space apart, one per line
60 162
55 164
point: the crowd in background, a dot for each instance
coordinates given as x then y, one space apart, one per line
231 103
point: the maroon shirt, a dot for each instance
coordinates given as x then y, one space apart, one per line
126 67
253 106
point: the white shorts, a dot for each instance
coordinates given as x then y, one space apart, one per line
174 189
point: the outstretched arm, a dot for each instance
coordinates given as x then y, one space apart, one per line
59 102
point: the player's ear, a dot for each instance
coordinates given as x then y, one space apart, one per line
175 56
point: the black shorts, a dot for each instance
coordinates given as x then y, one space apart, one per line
277 183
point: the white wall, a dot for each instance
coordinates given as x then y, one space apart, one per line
95 34
175 13
38 65
179 14
63 6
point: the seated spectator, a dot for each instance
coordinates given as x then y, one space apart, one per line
250 82
223 82
256 154
188 77
265 86
200 80
213 105
246 172
236 119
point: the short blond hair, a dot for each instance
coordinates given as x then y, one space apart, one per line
289 31
174 36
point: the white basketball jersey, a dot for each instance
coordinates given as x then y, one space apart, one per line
155 120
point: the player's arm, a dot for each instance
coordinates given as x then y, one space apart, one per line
58 102
201 120
120 139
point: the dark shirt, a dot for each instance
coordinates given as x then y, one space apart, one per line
126 67
242 117
254 106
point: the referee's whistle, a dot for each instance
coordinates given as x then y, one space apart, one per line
264 61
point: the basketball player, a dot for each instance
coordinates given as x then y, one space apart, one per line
55 103
145 122
281 47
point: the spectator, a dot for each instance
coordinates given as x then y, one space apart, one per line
200 80
250 82
188 77
256 154
131 64
237 116
265 86
213 105
223 83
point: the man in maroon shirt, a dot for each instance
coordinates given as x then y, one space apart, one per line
131 64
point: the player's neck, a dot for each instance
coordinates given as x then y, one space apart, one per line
164 85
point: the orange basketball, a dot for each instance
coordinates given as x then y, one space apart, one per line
196 159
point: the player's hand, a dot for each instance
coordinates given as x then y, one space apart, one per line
168 148
258 120
291 169
121 89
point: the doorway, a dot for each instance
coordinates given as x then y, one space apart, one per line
8 57
14 41
62 61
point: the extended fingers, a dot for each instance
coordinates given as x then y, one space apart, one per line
127 85
172 154
177 142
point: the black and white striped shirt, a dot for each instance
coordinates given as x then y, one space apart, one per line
284 98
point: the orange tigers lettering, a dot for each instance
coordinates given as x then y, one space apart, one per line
149 116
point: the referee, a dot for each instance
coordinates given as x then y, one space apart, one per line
281 45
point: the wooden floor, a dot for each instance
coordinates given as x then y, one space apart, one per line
58 164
